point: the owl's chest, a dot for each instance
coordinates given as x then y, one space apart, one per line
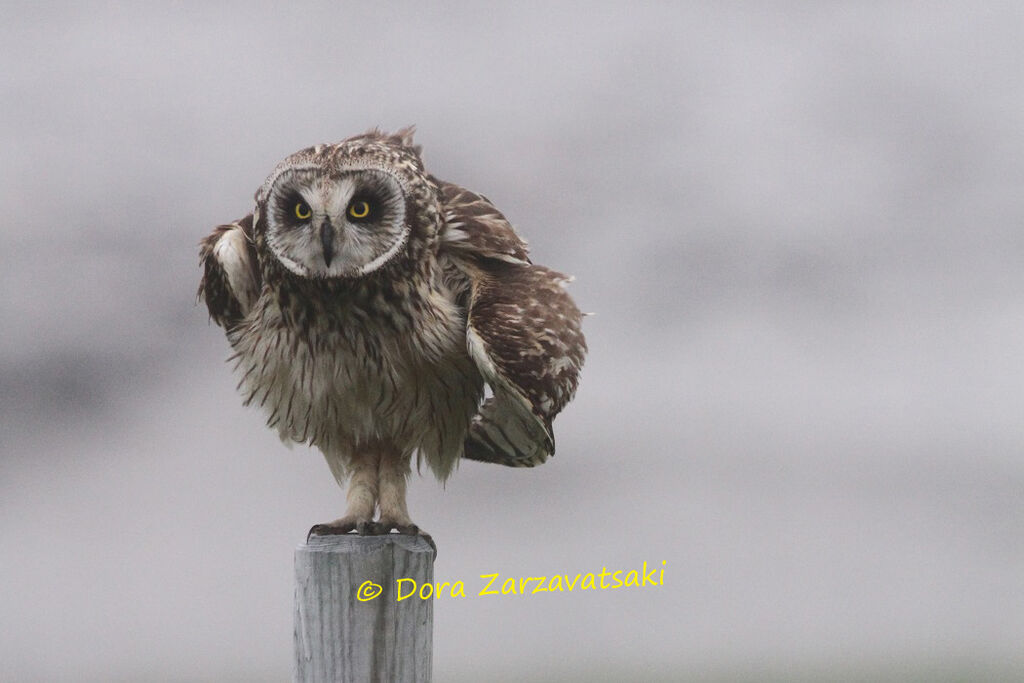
358 376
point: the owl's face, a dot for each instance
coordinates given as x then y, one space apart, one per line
333 221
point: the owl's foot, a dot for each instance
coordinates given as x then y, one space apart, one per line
346 525
387 525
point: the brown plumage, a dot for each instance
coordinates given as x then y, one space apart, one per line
367 304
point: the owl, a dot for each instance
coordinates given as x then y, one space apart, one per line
377 313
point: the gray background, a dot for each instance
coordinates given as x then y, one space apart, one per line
799 225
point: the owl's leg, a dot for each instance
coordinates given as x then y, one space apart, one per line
361 497
393 471
392 476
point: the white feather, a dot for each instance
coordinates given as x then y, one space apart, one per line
232 253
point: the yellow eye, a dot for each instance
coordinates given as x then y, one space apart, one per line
302 211
359 209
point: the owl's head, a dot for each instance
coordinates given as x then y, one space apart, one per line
348 209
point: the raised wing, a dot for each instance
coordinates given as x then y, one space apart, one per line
523 332
231 278
475 229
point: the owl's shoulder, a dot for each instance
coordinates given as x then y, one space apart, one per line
475 228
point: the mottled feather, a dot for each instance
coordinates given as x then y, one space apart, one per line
523 331
474 228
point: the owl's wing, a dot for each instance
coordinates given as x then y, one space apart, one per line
231 278
474 228
523 332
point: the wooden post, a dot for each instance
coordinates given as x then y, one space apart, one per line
340 634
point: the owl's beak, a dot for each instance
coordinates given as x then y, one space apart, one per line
327 241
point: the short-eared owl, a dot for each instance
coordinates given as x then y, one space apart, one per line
368 302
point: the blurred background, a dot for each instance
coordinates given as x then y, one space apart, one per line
799 224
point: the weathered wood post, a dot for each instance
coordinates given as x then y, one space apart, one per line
349 623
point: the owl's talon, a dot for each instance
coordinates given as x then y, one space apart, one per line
386 526
430 540
326 530
338 527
